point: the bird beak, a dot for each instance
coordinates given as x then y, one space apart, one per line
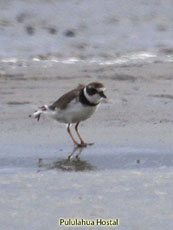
102 94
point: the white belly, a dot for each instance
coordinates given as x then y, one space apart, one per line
75 112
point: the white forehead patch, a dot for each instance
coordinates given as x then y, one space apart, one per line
100 89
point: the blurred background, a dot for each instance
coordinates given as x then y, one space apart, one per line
89 30
48 47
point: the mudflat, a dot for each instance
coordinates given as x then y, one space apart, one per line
126 174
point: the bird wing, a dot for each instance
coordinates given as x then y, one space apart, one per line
65 99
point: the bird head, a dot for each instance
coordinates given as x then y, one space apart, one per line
94 92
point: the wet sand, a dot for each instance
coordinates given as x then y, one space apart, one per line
126 174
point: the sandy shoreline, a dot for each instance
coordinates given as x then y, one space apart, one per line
128 169
138 109
49 47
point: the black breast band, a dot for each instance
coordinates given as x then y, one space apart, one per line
84 100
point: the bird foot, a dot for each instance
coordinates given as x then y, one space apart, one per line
83 144
90 143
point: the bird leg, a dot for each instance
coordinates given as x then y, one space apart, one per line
82 143
69 132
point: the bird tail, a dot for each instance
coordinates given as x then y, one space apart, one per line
37 113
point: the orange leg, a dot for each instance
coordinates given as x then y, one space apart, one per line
69 132
82 144
76 128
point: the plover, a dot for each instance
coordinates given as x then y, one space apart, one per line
75 106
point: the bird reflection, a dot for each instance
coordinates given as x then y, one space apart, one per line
68 164
76 150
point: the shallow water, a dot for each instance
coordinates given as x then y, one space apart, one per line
103 182
69 31
83 159
127 174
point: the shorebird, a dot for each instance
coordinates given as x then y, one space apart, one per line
75 106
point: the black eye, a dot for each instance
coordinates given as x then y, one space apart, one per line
91 91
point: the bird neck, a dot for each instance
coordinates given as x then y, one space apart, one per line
84 99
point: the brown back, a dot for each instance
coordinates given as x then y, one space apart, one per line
63 101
